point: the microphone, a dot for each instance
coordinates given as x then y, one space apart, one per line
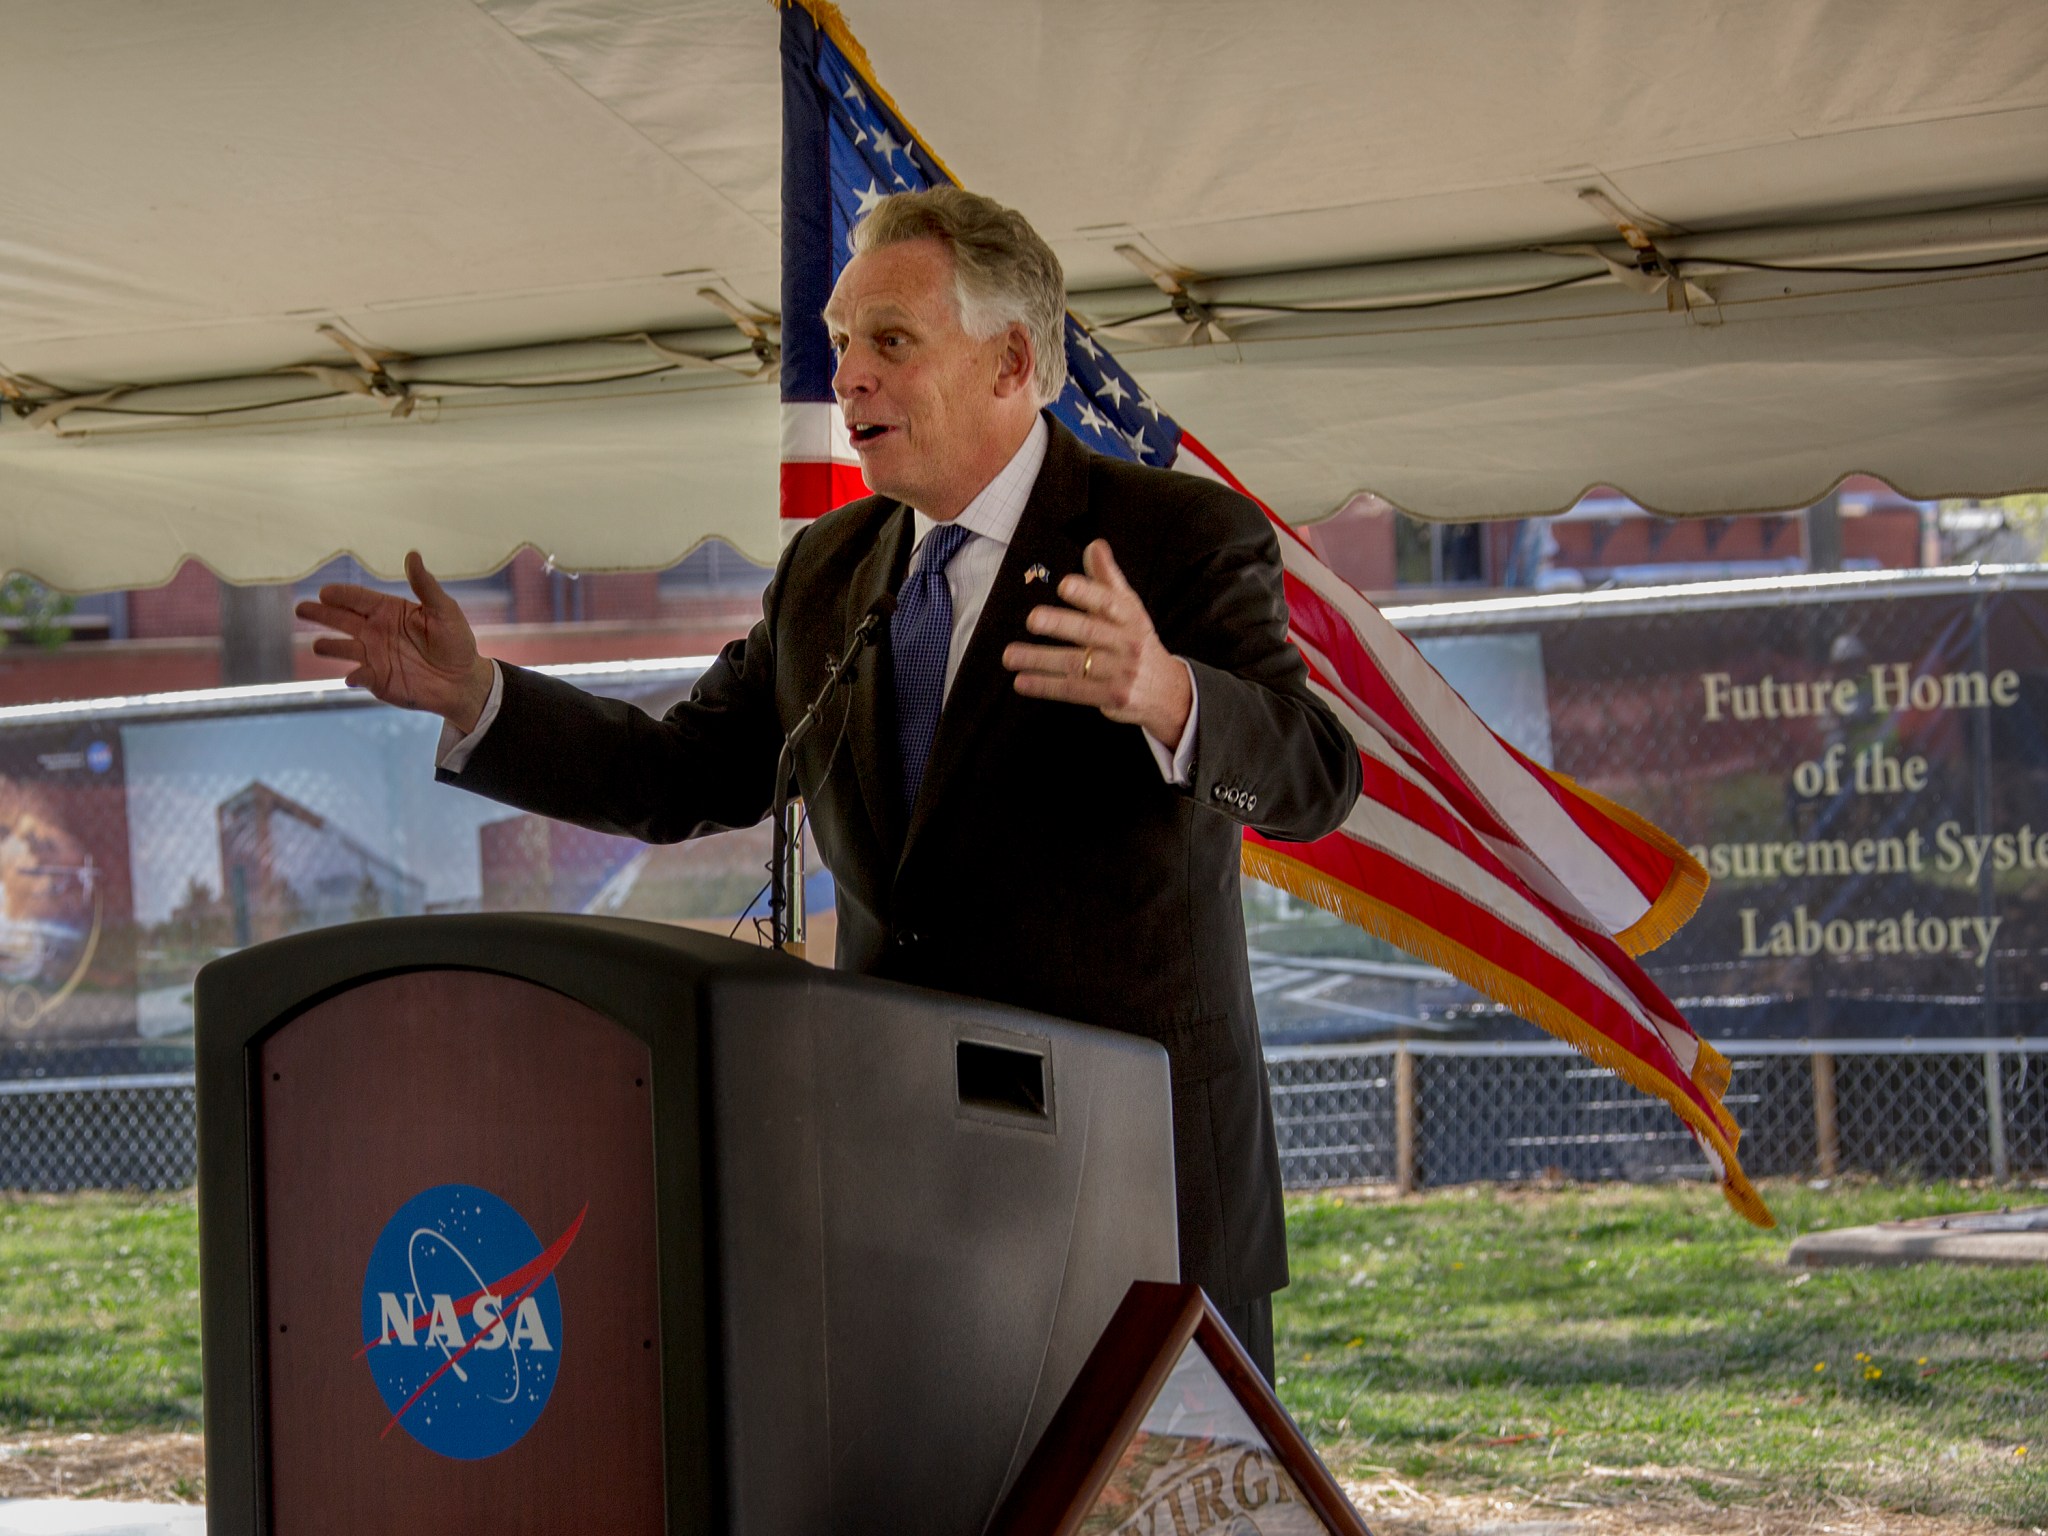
780 864
878 613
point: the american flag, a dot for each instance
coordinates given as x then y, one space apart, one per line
1530 888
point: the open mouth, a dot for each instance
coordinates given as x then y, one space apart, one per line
868 432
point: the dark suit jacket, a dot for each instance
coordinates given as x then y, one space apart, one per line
1047 863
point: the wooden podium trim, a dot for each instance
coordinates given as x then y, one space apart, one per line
1108 1402
406 1090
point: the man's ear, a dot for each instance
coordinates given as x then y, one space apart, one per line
1015 361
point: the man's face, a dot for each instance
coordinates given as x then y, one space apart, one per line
930 408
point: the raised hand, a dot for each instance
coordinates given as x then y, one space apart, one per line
1113 660
416 655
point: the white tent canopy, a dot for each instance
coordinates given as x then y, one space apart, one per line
1369 199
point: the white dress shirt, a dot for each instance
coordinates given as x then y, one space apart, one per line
991 521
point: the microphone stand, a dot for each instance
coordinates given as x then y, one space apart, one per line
786 916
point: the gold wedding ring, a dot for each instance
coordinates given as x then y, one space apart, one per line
1087 664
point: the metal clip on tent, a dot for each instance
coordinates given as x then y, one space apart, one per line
1202 325
750 326
374 381
1653 272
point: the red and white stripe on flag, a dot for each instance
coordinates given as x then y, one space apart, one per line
820 470
1462 851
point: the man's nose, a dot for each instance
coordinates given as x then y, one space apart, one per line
851 377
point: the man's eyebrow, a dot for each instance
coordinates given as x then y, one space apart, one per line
876 318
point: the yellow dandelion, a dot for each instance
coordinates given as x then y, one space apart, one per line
1872 1372
1861 1356
2019 1450
1921 1361
1458 1264
1354 1343
1821 1366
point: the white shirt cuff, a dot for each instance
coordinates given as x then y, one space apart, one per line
1177 766
452 755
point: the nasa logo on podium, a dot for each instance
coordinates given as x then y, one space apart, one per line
462 1321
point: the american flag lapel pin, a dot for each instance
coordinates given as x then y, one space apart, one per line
1037 573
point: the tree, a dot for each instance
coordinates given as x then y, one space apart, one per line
369 899
2015 530
40 611
198 925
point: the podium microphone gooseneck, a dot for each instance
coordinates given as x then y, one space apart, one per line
786 864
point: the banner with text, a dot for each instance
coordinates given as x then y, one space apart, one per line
1862 766
1860 763
1863 769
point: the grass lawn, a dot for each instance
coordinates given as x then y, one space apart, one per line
99 1312
1581 1346
1598 1344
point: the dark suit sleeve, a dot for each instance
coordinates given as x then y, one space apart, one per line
1268 752
708 765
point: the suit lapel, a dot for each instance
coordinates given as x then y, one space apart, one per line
867 721
983 688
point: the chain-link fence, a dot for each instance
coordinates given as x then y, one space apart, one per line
1862 763
68 1133
1421 1114
1433 1113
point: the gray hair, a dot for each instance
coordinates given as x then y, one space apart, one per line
1003 272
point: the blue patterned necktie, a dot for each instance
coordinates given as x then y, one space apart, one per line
920 636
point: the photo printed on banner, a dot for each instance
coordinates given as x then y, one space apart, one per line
66 940
245 826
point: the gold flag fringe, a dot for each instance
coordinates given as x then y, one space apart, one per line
1710 1074
1682 893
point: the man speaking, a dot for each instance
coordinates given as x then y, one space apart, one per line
1084 691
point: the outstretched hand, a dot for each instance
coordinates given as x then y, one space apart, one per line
1114 659
416 655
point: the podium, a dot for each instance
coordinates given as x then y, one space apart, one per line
541 1224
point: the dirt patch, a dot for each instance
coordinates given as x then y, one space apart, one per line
1393 1508
155 1468
161 1468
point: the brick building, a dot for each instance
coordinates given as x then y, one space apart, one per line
1608 540
168 638
286 868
